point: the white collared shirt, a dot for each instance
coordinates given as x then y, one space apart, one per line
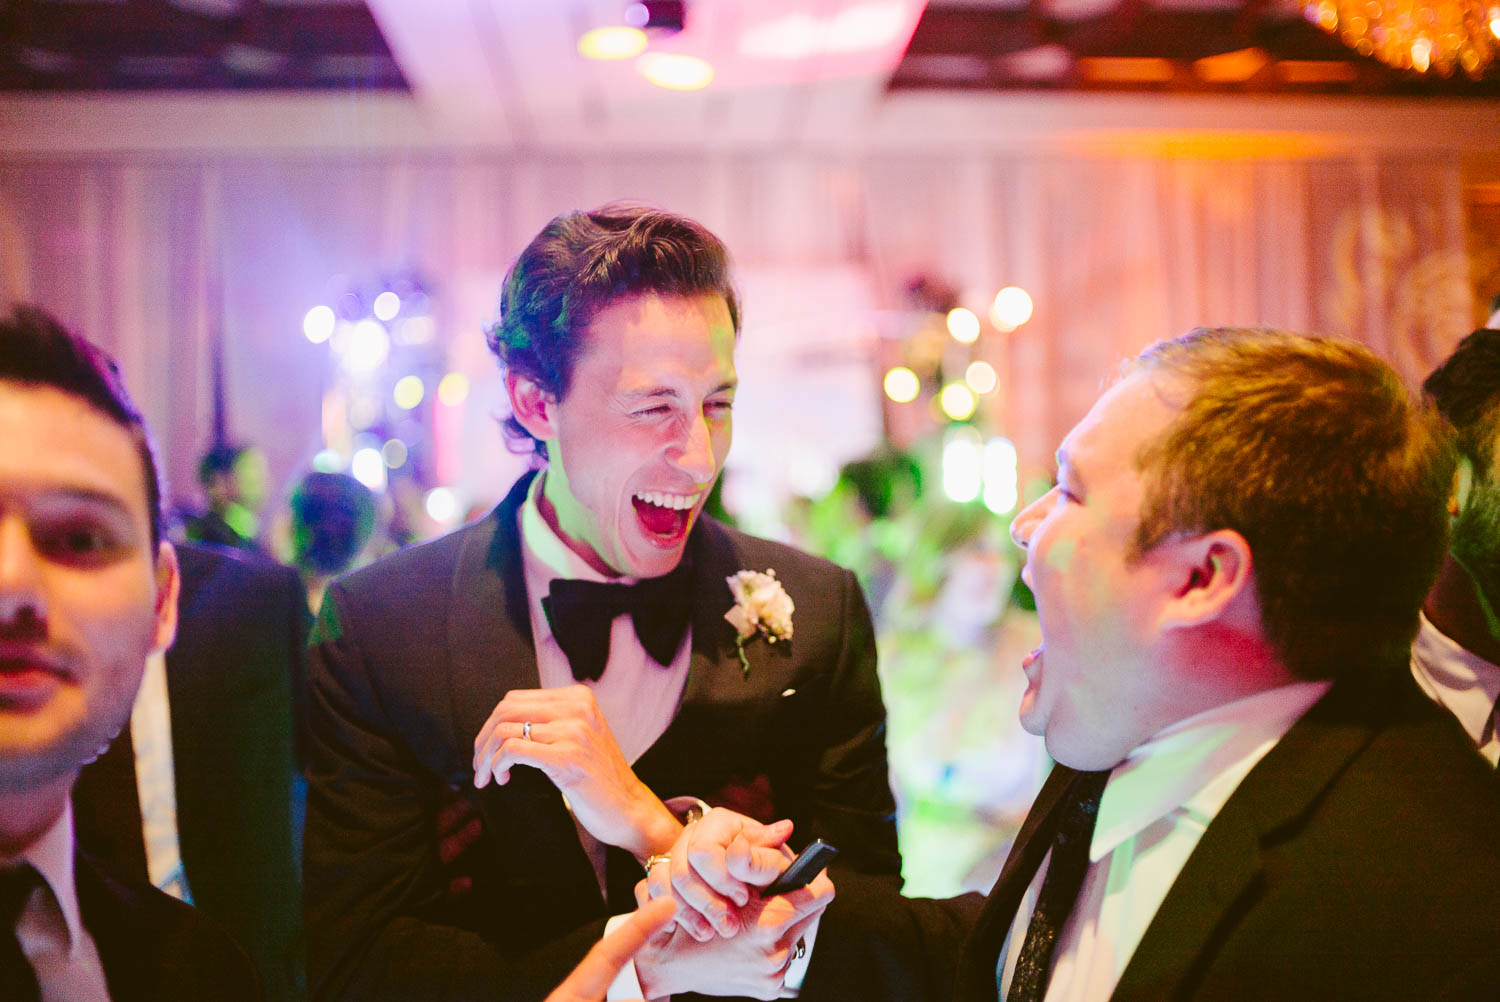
638 697
1461 681
1156 806
156 780
50 929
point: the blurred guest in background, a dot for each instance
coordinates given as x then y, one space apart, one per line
88 592
1252 798
333 516
549 644
234 480
1456 656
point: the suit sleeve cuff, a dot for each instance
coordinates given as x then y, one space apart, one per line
627 984
796 972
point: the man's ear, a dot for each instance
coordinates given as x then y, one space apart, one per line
168 585
1209 574
531 405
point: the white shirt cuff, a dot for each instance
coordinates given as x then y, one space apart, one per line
627 984
797 972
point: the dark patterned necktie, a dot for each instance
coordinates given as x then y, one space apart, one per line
17 978
580 614
1054 902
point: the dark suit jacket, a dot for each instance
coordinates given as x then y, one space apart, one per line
411 655
154 948
1359 859
231 675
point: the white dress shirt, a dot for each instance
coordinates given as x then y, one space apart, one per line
156 780
1155 808
50 929
638 697
1464 683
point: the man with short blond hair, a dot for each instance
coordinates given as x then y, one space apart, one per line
1252 799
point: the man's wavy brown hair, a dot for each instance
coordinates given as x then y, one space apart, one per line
580 263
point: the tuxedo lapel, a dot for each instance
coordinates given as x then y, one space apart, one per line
489 625
981 954
492 652
1230 866
109 910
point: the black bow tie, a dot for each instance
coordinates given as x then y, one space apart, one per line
580 614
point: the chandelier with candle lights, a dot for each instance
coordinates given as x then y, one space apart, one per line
1438 37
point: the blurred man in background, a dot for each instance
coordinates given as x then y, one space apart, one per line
1456 656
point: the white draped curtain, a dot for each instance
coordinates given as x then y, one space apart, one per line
156 256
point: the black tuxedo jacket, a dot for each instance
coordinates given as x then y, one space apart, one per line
231 675
1359 859
410 656
154 948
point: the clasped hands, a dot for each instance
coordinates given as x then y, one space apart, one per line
726 939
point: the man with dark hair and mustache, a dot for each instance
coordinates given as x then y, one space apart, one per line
1456 656
88 591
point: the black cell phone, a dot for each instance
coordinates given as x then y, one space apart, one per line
801 871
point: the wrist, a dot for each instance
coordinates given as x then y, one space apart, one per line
653 977
657 830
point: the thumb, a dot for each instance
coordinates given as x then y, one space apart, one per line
591 978
754 865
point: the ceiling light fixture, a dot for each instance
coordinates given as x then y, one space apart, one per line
675 72
613 42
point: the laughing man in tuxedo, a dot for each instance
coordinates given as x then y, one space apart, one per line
1253 799
514 650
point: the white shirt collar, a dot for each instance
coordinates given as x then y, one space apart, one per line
551 551
546 556
1462 681
52 855
1196 763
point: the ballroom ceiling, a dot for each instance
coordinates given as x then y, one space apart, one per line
193 45
1175 46
786 74
1166 46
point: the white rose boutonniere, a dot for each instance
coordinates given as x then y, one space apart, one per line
761 605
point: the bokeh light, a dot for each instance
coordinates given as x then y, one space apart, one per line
963 465
328 461
408 392
386 306
616 41
441 505
963 325
957 401
368 468
1002 476
1011 308
317 326
454 389
902 385
674 71
368 347
981 377
393 453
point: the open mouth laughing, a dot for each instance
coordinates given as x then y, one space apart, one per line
665 517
